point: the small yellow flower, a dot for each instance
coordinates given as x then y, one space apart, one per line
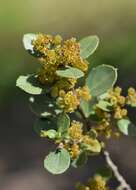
83 92
41 44
121 100
57 40
116 98
75 131
62 84
120 113
74 151
81 64
80 186
97 183
71 55
47 76
131 98
131 91
51 57
117 90
68 101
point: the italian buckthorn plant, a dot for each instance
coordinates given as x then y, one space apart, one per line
77 107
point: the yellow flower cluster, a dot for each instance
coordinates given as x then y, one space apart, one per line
47 76
69 101
118 102
71 55
83 92
131 98
117 111
73 149
95 183
103 127
55 54
62 84
78 138
75 131
44 43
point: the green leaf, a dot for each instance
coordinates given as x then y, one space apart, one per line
43 106
87 107
70 72
29 84
80 160
94 146
57 162
104 105
88 46
105 172
126 127
44 125
52 134
63 123
27 41
133 105
101 79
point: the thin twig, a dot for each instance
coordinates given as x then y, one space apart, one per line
123 184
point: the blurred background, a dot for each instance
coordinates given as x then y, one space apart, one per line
21 151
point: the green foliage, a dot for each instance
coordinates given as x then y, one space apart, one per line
27 41
51 134
94 147
104 105
70 73
80 160
29 84
57 162
101 79
63 123
87 107
133 105
76 116
43 106
126 127
88 45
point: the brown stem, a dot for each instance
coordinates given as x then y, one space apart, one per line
123 184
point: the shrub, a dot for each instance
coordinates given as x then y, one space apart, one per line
77 107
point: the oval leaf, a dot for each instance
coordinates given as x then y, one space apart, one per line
51 134
101 79
104 105
88 46
43 106
126 127
70 72
29 84
57 162
27 41
63 123
87 107
94 147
